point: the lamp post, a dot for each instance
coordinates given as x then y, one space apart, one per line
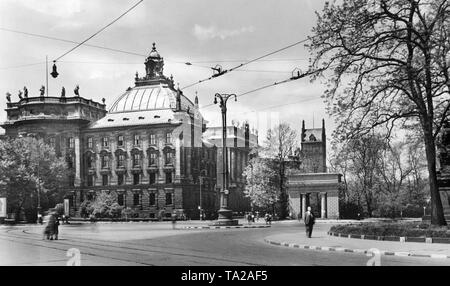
201 183
32 135
225 214
425 207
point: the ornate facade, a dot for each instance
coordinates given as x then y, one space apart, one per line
147 150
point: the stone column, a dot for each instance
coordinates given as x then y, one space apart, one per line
303 204
323 205
333 205
77 182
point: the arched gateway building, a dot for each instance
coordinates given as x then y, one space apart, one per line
147 150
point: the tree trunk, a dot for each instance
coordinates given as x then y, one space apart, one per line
437 211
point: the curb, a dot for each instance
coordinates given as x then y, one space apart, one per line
362 251
222 227
400 239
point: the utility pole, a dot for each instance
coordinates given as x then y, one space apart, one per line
46 74
225 214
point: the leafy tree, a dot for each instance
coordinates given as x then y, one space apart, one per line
280 146
261 185
28 165
390 68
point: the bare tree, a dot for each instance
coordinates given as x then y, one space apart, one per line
390 61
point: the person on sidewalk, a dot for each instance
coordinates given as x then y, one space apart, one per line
309 222
174 219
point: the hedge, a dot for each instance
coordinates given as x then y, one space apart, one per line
408 229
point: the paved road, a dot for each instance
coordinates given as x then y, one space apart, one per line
149 244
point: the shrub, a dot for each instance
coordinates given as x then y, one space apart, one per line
86 209
349 210
392 229
128 213
105 206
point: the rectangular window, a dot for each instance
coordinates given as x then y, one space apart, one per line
72 181
69 161
90 162
90 143
137 140
152 199
105 180
120 140
136 160
168 178
71 142
120 179
136 199
120 161
152 178
90 180
136 179
168 137
120 199
169 157
152 159
169 198
152 139
105 161
105 142
52 142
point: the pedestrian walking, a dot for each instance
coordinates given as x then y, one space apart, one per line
249 218
40 221
56 227
266 218
174 220
51 227
309 222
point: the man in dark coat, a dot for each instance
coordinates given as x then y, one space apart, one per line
309 222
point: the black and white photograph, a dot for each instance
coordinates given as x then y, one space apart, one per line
242 133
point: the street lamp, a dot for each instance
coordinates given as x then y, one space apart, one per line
225 215
33 135
201 183
425 207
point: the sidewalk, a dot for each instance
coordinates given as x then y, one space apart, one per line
323 242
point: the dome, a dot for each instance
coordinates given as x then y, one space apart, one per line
150 97
154 53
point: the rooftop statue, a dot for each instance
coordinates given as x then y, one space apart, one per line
8 97
63 92
77 90
42 90
25 92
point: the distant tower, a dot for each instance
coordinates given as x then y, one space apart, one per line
314 149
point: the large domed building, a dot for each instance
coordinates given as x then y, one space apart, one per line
147 150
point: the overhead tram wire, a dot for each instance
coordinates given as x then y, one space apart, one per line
220 73
296 77
188 63
96 33
72 42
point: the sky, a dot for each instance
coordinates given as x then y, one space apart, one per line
202 32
